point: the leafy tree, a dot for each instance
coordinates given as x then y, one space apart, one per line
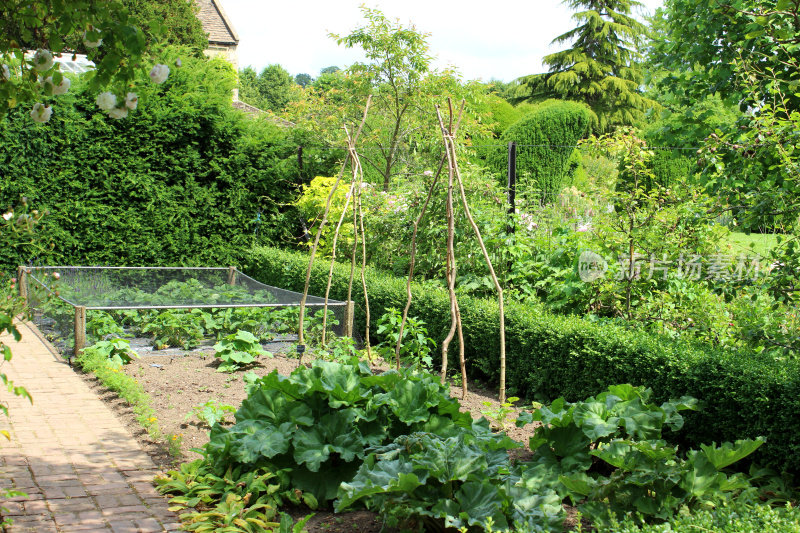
398 66
272 90
702 41
600 68
333 69
178 18
106 29
303 80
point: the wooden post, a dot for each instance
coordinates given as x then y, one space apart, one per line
349 318
80 329
232 275
512 183
22 279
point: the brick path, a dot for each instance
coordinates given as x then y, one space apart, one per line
80 468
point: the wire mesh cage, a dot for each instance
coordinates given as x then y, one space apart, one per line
62 296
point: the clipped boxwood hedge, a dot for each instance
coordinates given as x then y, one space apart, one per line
744 395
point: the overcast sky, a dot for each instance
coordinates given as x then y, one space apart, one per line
498 39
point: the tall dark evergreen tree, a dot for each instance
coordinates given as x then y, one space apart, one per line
600 68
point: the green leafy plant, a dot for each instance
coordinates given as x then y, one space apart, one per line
237 350
316 423
338 349
427 482
117 351
416 346
101 325
499 416
620 431
173 328
211 412
229 502
128 388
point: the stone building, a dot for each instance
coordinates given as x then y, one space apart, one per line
222 36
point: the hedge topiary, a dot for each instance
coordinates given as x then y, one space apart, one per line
546 139
745 395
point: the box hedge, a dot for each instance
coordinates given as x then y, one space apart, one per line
744 394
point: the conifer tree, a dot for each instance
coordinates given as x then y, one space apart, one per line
600 68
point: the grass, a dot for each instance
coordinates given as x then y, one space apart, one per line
758 243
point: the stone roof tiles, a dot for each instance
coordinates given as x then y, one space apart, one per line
216 23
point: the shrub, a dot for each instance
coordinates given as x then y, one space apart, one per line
186 179
738 517
546 139
745 395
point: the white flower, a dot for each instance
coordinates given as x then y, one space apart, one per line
159 73
428 173
91 44
131 101
41 113
106 101
118 112
5 73
178 62
8 216
61 88
42 60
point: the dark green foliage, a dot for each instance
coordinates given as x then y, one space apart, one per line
610 453
671 168
466 480
736 517
185 179
545 141
601 66
179 18
271 90
745 395
315 424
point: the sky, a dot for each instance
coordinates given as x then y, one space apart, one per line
498 39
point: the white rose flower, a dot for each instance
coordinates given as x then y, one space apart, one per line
159 73
91 44
5 73
41 113
8 216
118 112
131 101
106 101
61 88
42 60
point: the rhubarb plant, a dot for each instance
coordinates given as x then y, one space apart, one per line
608 455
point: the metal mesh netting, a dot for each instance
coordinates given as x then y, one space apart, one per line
169 307
110 288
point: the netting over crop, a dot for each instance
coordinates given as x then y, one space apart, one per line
110 288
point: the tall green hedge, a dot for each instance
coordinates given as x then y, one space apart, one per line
745 395
546 138
185 179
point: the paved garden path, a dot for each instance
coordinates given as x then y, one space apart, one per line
80 468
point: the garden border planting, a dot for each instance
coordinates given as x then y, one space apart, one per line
743 395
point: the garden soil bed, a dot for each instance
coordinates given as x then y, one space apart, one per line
178 380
